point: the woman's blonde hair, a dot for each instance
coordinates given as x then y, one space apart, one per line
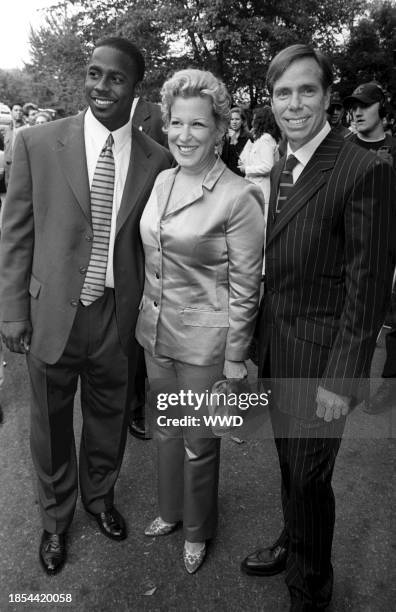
191 83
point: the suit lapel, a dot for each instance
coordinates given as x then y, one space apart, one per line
312 178
70 149
137 177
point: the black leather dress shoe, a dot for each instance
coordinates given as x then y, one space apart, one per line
137 429
52 552
267 561
111 523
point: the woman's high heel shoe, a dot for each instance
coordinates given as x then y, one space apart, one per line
159 528
193 560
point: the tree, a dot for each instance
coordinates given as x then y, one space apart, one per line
236 39
16 86
370 51
59 55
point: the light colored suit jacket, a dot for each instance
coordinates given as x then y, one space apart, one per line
203 267
329 266
47 233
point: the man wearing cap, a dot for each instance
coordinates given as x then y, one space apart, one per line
367 103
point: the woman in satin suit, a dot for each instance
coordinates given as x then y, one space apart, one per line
202 232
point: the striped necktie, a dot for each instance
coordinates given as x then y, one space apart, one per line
286 182
102 192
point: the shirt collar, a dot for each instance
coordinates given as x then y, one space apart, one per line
304 153
99 133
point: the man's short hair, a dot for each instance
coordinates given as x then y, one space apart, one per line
281 62
127 47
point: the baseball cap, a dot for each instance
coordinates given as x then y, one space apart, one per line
367 93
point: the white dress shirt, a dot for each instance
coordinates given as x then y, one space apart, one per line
304 153
95 135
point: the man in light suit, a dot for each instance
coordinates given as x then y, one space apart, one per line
329 265
51 308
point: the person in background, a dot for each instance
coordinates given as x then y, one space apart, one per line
259 156
330 254
336 113
146 116
367 104
30 111
71 278
235 140
42 117
9 138
202 232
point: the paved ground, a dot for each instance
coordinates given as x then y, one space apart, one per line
144 574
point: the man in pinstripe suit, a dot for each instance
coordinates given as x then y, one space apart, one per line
329 264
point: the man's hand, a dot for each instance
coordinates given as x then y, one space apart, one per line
234 369
16 335
330 405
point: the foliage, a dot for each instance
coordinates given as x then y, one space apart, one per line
236 39
16 87
370 52
58 61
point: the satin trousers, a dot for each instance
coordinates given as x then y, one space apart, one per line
188 456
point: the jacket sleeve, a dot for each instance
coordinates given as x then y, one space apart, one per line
245 240
17 238
369 227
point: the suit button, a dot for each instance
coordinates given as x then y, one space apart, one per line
83 269
88 237
74 302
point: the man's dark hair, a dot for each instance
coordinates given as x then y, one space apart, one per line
127 47
28 107
286 57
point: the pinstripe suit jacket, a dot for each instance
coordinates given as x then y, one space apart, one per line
329 265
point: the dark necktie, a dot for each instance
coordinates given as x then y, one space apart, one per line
102 193
286 182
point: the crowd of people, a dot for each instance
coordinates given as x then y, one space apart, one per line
119 236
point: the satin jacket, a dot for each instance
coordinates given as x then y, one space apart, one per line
202 269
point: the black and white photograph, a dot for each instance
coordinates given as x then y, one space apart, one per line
197 305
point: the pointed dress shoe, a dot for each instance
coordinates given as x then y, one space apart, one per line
111 523
52 552
267 561
194 560
158 527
